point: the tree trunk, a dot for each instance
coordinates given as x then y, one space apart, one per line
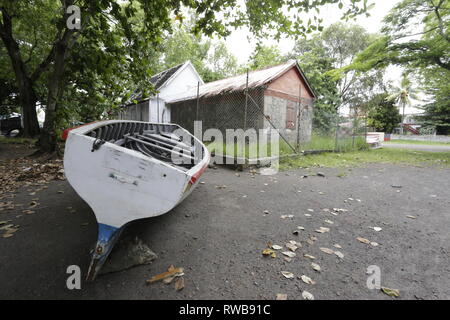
48 137
29 115
24 83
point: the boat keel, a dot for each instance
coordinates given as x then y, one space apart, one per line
107 237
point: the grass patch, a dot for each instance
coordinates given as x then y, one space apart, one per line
252 151
419 142
329 143
359 158
14 140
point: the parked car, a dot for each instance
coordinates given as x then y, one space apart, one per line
10 123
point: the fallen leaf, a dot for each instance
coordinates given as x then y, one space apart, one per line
276 247
363 240
411 217
391 292
377 229
307 296
269 252
289 254
168 280
307 215
307 280
179 284
339 254
300 228
337 246
309 256
374 244
291 246
287 274
171 272
329 221
311 210
326 250
281 296
322 230
316 267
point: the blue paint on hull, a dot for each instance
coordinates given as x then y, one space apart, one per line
105 232
107 237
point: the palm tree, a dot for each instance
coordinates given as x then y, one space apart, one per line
402 96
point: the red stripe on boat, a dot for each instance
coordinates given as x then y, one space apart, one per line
197 175
65 133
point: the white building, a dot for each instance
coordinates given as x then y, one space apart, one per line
168 83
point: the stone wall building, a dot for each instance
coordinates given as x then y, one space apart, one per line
278 97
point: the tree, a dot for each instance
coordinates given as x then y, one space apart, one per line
211 59
263 56
383 115
26 43
402 96
416 36
98 17
323 57
436 83
314 61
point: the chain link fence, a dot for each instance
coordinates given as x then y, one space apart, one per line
301 127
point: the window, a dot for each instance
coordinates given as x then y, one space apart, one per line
290 115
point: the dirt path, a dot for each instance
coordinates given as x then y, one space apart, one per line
217 236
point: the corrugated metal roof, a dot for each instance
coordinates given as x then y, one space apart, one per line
256 79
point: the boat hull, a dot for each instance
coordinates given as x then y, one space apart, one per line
123 185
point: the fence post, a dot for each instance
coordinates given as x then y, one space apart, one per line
299 115
336 134
198 99
353 129
246 103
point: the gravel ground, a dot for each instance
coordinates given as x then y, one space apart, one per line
217 236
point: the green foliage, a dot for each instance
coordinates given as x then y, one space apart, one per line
87 72
383 115
361 158
264 56
212 60
323 59
424 53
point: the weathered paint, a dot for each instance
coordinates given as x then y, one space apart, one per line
122 185
119 184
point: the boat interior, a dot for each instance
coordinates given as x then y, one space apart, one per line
153 140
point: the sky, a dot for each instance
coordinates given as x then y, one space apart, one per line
241 42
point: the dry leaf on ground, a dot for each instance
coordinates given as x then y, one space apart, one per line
316 267
363 240
171 272
307 280
287 274
307 296
322 230
179 284
281 296
289 254
326 250
391 292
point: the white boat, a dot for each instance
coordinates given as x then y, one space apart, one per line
129 170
